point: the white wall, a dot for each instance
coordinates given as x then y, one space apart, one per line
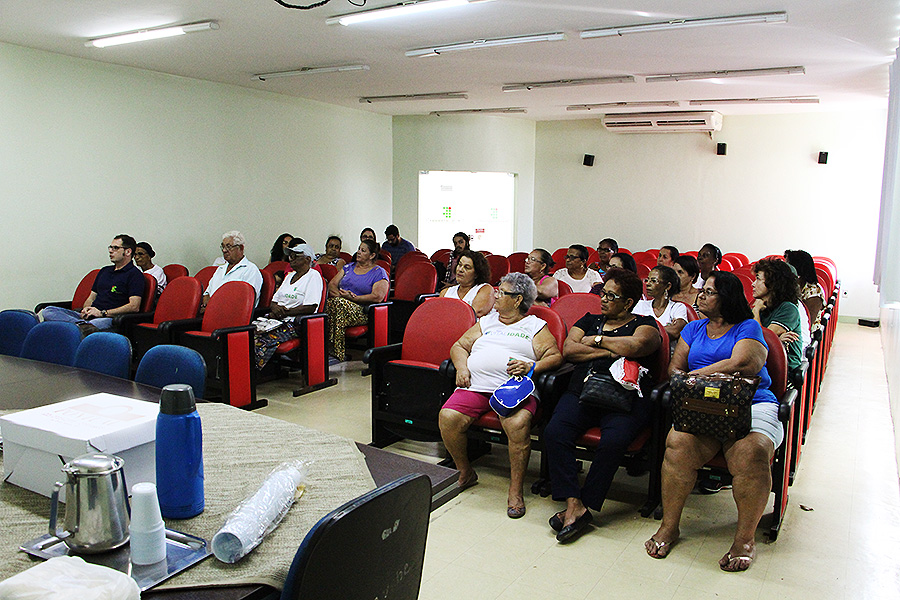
89 150
765 195
462 143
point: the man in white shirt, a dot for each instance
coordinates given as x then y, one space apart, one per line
236 267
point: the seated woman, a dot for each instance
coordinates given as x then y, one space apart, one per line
688 270
359 283
537 266
667 256
811 293
776 292
300 294
332 254
143 258
505 342
598 341
279 248
708 258
728 341
472 275
576 273
619 260
605 249
662 284
460 245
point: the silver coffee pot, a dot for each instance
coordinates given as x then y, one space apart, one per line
97 509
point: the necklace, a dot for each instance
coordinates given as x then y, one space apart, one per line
714 336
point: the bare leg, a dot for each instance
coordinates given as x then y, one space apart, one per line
518 429
749 461
685 453
574 509
453 426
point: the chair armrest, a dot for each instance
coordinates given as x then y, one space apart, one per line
448 369
786 406
422 297
555 382
368 307
60 304
225 331
797 377
661 395
173 328
129 319
382 354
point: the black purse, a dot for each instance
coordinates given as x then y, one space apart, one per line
600 390
717 405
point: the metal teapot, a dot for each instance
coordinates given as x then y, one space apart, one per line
97 509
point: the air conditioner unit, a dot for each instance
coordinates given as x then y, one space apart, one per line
663 122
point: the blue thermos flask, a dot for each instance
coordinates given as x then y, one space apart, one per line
179 454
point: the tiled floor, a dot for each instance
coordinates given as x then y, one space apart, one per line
841 545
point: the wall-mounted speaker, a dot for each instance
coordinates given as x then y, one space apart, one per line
588 160
823 158
720 148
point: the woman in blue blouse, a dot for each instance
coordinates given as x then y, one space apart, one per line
727 341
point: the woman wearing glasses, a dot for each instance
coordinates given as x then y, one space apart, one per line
537 266
662 284
605 250
598 341
505 342
576 273
727 341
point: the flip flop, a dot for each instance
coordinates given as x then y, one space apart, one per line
468 482
657 549
515 512
735 564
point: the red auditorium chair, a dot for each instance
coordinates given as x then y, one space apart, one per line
406 261
740 258
564 289
415 281
148 300
643 270
276 266
517 262
204 275
559 259
348 258
174 271
499 265
329 271
574 306
409 384
266 291
82 291
442 256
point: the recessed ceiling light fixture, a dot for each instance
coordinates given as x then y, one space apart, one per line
508 41
636 104
772 17
150 34
402 97
768 100
520 87
475 111
726 73
310 71
396 10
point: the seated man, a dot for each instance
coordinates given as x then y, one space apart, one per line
395 245
118 289
236 268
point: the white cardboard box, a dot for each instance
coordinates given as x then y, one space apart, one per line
38 442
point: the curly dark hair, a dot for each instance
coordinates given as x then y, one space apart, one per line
627 261
546 258
277 252
732 301
670 277
803 263
689 264
482 268
631 285
781 280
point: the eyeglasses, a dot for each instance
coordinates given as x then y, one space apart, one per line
114 248
228 247
708 292
570 257
505 293
533 259
602 249
610 296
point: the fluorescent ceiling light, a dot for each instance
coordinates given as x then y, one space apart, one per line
150 34
310 70
401 97
473 111
608 105
769 100
772 17
509 41
519 87
395 10
726 73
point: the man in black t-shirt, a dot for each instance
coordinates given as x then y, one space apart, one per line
118 289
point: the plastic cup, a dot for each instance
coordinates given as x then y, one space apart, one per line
148 531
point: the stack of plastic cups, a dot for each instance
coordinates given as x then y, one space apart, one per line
148 532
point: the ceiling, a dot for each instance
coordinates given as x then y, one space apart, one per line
846 47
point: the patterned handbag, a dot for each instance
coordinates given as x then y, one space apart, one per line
716 405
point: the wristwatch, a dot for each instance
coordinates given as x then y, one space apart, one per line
103 313
598 339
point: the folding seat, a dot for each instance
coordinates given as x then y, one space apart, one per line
348 258
266 291
329 271
180 300
643 270
52 341
564 289
174 271
105 352
574 306
644 258
415 281
225 338
499 267
692 314
741 259
592 256
204 275
559 259
275 267
14 326
726 265
82 291
747 284
148 300
442 256
653 251
406 261
376 331
409 384
517 262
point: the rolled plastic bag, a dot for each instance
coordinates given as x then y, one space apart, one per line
260 514
69 578
628 373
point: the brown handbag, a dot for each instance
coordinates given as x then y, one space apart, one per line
716 405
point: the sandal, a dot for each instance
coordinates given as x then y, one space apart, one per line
515 512
735 564
657 549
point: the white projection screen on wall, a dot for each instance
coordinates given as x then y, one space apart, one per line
481 204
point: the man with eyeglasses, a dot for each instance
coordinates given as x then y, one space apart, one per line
236 268
117 290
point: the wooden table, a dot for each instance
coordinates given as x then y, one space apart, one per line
27 384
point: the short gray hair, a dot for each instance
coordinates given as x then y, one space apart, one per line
237 238
522 284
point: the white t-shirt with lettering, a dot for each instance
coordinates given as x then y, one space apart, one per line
497 344
307 290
